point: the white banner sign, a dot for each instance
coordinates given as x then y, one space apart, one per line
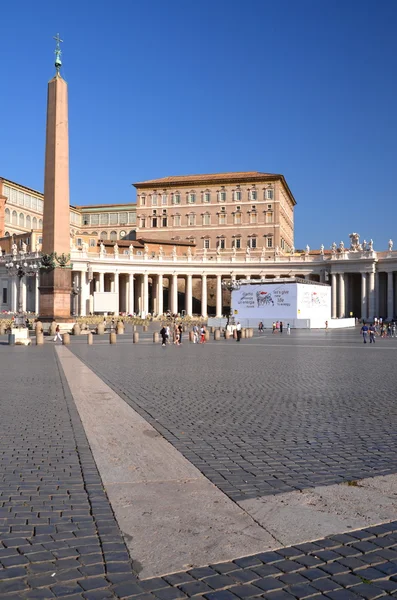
265 301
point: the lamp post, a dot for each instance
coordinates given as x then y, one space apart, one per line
20 267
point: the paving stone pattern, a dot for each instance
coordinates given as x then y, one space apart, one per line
58 534
268 415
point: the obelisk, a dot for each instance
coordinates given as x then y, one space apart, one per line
55 283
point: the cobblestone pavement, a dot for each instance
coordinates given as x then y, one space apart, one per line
58 534
268 415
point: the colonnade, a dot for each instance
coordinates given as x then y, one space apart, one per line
366 294
133 290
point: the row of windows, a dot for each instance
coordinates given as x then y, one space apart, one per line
191 220
237 243
205 197
122 218
20 220
21 199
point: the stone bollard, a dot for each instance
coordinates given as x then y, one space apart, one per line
217 335
135 337
144 327
100 329
76 329
112 337
227 334
155 337
52 328
235 334
119 328
252 332
243 334
66 339
212 329
90 339
207 335
191 336
39 338
2 329
134 328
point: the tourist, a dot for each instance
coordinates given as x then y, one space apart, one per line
281 327
163 333
274 327
277 326
168 334
180 330
372 332
260 327
364 331
389 330
176 337
195 334
238 330
202 335
57 334
288 329
326 326
393 329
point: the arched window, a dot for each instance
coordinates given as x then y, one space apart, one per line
40 223
7 215
94 233
113 236
34 223
14 219
28 222
21 220
104 235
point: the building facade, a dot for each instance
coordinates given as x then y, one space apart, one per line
219 212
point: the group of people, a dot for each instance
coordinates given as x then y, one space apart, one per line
378 328
165 333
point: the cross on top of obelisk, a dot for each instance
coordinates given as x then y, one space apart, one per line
58 52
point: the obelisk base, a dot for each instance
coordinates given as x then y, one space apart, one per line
55 295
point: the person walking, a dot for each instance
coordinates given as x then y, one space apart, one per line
364 331
277 326
195 334
288 329
167 335
57 334
238 330
281 327
163 333
372 332
180 329
326 326
260 327
202 335
274 327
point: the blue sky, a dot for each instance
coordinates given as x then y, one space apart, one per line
305 88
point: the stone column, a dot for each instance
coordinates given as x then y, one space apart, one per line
377 295
36 294
204 309
97 285
174 292
160 307
85 290
341 313
145 293
333 295
364 303
218 295
116 282
189 295
131 291
101 282
371 294
390 295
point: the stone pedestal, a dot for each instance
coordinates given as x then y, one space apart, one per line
55 295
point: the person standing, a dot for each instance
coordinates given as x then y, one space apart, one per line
180 329
167 335
238 330
326 326
281 327
372 332
57 334
195 334
274 327
288 329
277 326
163 333
202 335
364 331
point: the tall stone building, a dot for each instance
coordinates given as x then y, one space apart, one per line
219 211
